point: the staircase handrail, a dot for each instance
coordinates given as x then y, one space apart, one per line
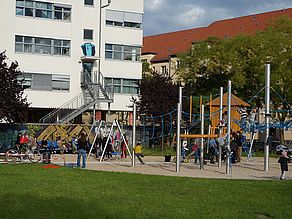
61 107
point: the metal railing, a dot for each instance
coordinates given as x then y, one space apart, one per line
94 90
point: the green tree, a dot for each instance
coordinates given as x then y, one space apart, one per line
158 94
12 101
242 60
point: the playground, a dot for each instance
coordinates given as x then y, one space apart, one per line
155 165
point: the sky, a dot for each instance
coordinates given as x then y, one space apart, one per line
162 16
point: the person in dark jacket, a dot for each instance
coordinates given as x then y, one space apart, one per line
82 144
108 150
284 163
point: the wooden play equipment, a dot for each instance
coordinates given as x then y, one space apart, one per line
236 104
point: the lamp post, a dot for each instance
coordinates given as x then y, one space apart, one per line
99 49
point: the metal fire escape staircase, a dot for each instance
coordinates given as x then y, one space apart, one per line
94 90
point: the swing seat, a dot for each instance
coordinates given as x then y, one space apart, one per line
117 154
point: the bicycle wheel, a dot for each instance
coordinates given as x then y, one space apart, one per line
186 160
11 155
34 156
174 159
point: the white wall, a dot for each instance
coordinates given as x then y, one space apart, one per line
82 17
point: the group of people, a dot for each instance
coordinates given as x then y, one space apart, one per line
212 150
83 147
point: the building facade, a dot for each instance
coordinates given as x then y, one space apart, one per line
56 42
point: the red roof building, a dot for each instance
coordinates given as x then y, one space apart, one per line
161 50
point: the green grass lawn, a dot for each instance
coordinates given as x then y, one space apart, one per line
28 191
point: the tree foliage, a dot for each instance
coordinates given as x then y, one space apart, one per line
13 103
242 60
158 94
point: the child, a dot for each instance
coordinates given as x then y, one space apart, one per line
124 148
138 152
283 160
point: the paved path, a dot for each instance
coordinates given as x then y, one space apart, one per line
252 169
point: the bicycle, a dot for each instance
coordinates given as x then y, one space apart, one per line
21 153
184 157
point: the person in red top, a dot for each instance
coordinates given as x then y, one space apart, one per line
23 140
124 148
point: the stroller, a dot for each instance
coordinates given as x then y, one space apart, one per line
212 152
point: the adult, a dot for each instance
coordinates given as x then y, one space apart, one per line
82 144
108 148
239 140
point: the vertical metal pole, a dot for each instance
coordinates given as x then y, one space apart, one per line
201 102
178 137
191 107
180 96
267 115
93 121
178 146
99 38
228 128
134 133
202 139
211 108
220 126
108 111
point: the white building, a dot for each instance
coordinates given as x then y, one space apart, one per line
45 37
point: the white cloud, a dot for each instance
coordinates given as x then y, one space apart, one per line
153 5
163 16
189 17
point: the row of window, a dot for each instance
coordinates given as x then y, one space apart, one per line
122 52
43 10
58 82
46 82
40 45
123 86
49 46
123 19
56 11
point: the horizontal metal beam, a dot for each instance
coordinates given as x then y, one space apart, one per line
198 136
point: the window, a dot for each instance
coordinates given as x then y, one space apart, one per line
42 82
123 19
47 82
26 80
177 64
88 2
61 82
88 34
163 69
121 52
62 13
38 45
123 86
43 10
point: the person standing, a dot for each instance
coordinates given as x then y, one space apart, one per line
124 148
108 149
239 139
243 119
82 144
283 160
252 120
138 152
